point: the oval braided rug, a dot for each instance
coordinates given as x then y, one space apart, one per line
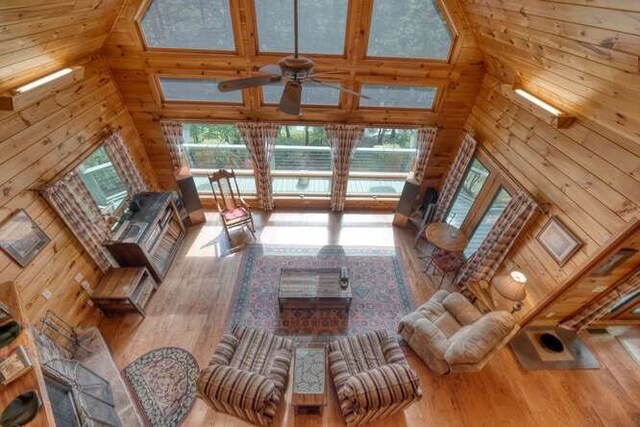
163 382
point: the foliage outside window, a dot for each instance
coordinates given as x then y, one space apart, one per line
189 24
211 147
301 163
103 182
409 29
467 193
398 96
381 162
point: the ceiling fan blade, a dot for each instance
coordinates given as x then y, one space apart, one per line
272 69
340 88
291 98
237 84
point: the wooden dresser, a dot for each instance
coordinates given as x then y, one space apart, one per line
151 236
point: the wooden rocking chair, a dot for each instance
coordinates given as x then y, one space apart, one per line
233 210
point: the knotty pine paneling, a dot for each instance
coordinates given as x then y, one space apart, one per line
39 143
586 176
133 68
39 37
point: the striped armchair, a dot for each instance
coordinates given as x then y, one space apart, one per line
372 377
247 375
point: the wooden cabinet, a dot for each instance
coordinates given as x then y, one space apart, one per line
124 290
151 237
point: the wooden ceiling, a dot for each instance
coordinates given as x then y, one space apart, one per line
134 67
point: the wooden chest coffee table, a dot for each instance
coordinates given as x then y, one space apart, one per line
309 379
318 288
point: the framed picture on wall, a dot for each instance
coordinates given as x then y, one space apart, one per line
558 240
613 262
21 238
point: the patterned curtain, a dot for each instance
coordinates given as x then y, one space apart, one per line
493 249
342 139
426 138
173 134
458 169
124 164
71 199
595 311
260 138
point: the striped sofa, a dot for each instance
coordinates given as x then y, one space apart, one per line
247 375
372 377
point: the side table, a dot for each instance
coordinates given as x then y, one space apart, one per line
124 290
309 380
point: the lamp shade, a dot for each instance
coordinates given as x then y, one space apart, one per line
512 286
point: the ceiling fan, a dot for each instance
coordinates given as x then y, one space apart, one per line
295 70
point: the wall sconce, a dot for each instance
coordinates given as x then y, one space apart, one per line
539 108
36 90
511 287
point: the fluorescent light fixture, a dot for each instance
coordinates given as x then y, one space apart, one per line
44 80
539 102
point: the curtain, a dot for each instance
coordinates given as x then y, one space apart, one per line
71 199
457 171
493 249
124 164
173 134
426 138
595 311
342 139
260 139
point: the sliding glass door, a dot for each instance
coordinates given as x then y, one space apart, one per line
471 186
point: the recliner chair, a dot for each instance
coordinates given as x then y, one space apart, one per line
451 335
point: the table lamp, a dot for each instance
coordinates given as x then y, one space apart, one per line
512 288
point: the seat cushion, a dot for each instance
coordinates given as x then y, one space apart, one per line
256 349
447 324
235 214
473 342
448 261
362 352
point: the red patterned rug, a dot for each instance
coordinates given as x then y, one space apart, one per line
164 383
380 296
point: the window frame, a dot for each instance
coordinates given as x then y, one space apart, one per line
497 179
381 175
161 101
338 106
234 11
347 31
119 211
439 85
450 21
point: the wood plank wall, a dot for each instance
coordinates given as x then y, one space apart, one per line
134 67
39 143
581 56
38 37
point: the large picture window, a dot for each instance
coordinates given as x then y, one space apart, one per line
103 182
211 147
301 163
381 162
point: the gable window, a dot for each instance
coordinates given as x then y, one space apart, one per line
311 95
188 24
398 96
409 29
196 90
103 181
381 162
301 163
210 147
322 26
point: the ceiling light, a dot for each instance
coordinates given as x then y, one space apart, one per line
42 81
539 102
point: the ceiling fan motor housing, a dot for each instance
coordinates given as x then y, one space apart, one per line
297 69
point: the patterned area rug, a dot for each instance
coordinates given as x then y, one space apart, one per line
380 296
164 384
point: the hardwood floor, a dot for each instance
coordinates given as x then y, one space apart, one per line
190 309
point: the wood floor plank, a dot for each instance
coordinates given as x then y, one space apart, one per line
191 306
